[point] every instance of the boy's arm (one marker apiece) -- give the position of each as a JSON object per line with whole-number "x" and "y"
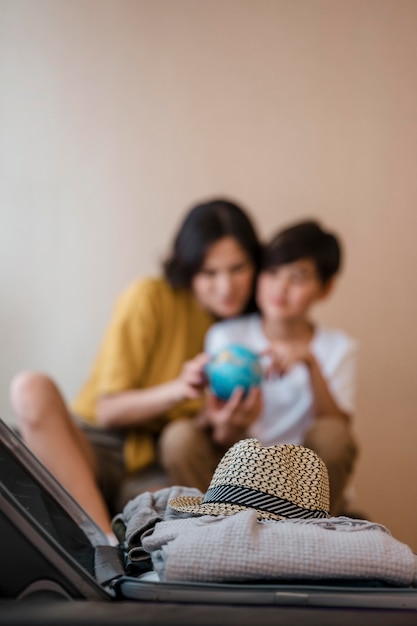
{"x": 324, "y": 402}
{"x": 286, "y": 355}
{"x": 228, "y": 421}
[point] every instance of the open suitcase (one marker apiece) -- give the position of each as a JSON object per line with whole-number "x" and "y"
{"x": 50, "y": 545}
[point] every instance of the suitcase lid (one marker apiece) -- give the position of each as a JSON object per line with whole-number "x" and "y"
{"x": 54, "y": 539}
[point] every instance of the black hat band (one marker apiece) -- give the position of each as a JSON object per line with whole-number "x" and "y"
{"x": 252, "y": 498}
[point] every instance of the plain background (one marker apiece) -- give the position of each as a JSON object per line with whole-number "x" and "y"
{"x": 117, "y": 115}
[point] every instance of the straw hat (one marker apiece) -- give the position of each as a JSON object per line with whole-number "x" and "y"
{"x": 279, "y": 482}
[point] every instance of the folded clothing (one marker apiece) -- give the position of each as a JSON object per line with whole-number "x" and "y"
{"x": 240, "y": 547}
{"x": 144, "y": 511}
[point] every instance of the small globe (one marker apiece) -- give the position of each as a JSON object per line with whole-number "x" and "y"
{"x": 234, "y": 366}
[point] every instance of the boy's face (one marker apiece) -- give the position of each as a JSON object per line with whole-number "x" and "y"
{"x": 287, "y": 292}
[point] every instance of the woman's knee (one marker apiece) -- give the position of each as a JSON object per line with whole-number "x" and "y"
{"x": 31, "y": 393}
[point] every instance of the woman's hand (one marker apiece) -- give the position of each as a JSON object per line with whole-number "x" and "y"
{"x": 229, "y": 421}
{"x": 190, "y": 383}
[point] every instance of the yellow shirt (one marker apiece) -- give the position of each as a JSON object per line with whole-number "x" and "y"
{"x": 154, "y": 330}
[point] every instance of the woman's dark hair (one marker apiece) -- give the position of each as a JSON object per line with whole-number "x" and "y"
{"x": 203, "y": 226}
{"x": 305, "y": 240}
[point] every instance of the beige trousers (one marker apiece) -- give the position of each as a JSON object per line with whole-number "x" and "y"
{"x": 332, "y": 439}
{"x": 190, "y": 458}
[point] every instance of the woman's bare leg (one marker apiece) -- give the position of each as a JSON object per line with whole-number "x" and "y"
{"x": 48, "y": 430}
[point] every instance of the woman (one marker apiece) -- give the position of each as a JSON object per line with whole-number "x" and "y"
{"x": 149, "y": 370}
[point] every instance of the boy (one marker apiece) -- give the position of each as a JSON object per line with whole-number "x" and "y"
{"x": 309, "y": 389}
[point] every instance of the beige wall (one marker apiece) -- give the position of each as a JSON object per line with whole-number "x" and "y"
{"x": 116, "y": 115}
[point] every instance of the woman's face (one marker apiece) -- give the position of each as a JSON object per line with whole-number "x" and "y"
{"x": 223, "y": 285}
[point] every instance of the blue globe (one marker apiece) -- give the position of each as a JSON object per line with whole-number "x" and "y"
{"x": 234, "y": 366}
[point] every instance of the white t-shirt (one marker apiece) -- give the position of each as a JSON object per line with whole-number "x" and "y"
{"x": 288, "y": 400}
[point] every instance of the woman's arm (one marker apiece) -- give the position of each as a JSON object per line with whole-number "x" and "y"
{"x": 137, "y": 406}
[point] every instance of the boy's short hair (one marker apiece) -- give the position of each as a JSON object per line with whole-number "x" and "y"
{"x": 302, "y": 240}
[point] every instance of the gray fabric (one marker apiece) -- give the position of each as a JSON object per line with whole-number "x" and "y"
{"x": 239, "y": 547}
{"x": 144, "y": 511}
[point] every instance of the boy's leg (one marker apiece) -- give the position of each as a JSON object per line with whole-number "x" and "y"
{"x": 188, "y": 455}
{"x": 332, "y": 439}
{"x": 47, "y": 428}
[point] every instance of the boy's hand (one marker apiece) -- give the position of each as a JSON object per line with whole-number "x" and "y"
{"x": 230, "y": 420}
{"x": 284, "y": 355}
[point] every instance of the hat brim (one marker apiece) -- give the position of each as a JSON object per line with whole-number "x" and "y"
{"x": 195, "y": 505}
